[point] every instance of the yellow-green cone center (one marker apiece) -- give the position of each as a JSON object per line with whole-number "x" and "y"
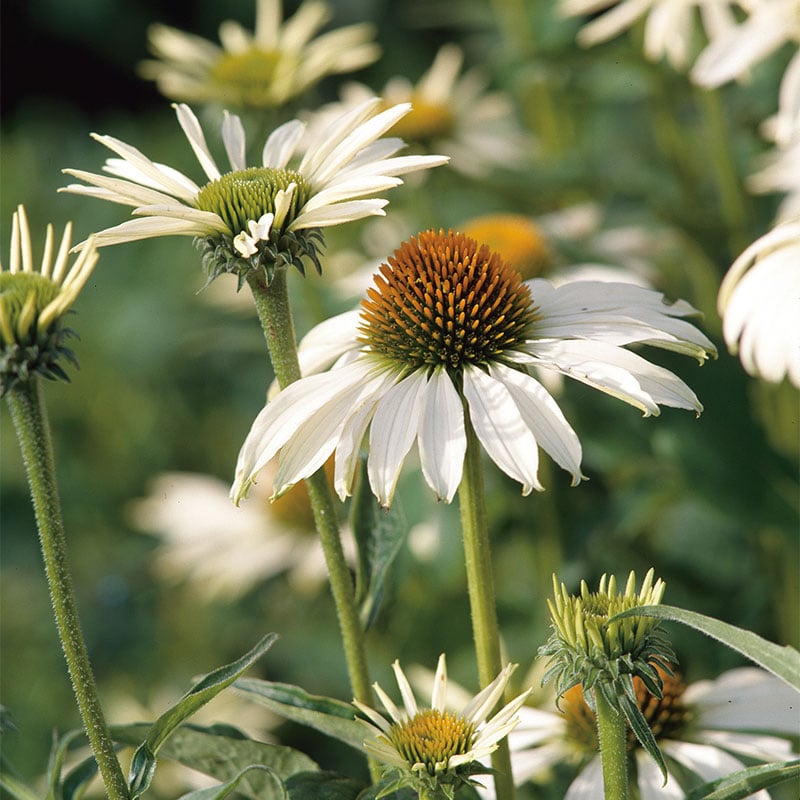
{"x": 244, "y": 195}
{"x": 444, "y": 300}
{"x": 431, "y": 738}
{"x": 248, "y": 77}
{"x": 24, "y": 295}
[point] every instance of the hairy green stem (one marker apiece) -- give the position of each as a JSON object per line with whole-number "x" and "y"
{"x": 612, "y": 733}
{"x": 480, "y": 583}
{"x": 274, "y": 311}
{"x": 29, "y": 413}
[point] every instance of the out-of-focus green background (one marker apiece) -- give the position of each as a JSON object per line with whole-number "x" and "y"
{"x": 169, "y": 381}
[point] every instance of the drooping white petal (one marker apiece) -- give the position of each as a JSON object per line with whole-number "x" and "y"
{"x": 650, "y": 780}
{"x": 392, "y": 432}
{"x": 442, "y": 436}
{"x": 194, "y": 133}
{"x": 708, "y": 762}
{"x": 501, "y": 429}
{"x": 751, "y": 745}
{"x": 542, "y": 415}
{"x": 589, "y": 783}
{"x": 325, "y": 342}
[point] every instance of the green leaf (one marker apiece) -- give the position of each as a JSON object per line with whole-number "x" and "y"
{"x": 323, "y": 786}
{"x": 16, "y": 789}
{"x": 225, "y": 756}
{"x": 143, "y": 763}
{"x": 379, "y": 534}
{"x": 224, "y": 789}
{"x": 331, "y": 717}
{"x": 56, "y": 763}
{"x": 783, "y": 662}
{"x": 78, "y": 778}
{"x": 642, "y": 730}
{"x": 746, "y": 782}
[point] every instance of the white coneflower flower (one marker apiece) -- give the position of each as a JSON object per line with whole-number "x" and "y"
{"x": 34, "y": 301}
{"x": 769, "y": 25}
{"x": 278, "y": 61}
{"x": 759, "y": 302}
{"x": 435, "y": 747}
{"x": 668, "y": 29}
{"x": 453, "y": 113}
{"x": 447, "y": 337}
{"x": 263, "y": 216}
{"x": 704, "y": 730}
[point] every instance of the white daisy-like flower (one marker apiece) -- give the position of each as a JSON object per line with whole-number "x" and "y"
{"x": 780, "y": 170}
{"x": 769, "y": 25}
{"x": 254, "y": 216}
{"x": 453, "y": 113}
{"x": 276, "y": 62}
{"x": 759, "y": 302}
{"x": 221, "y": 552}
{"x": 34, "y": 300}
{"x": 447, "y": 336}
{"x": 436, "y": 745}
{"x": 669, "y": 27}
{"x": 704, "y": 730}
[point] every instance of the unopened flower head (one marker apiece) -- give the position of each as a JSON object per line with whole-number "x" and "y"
{"x": 33, "y": 303}
{"x": 434, "y": 749}
{"x": 587, "y": 648}
{"x": 448, "y": 336}
{"x": 257, "y": 218}
{"x": 265, "y": 68}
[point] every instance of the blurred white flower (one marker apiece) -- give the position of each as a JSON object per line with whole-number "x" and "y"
{"x": 454, "y": 114}
{"x": 732, "y": 52}
{"x": 759, "y": 302}
{"x": 669, "y": 27}
{"x": 278, "y": 61}
{"x": 221, "y": 551}
{"x": 704, "y": 729}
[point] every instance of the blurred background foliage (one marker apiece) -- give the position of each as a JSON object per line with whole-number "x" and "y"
{"x": 171, "y": 382}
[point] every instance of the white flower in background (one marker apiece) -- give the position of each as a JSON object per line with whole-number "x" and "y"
{"x": 759, "y": 302}
{"x": 703, "y": 729}
{"x": 278, "y": 61}
{"x": 448, "y": 329}
{"x": 780, "y": 171}
{"x": 220, "y": 551}
{"x": 435, "y": 746}
{"x": 453, "y": 113}
{"x": 250, "y": 213}
{"x": 729, "y": 55}
{"x": 669, "y": 27}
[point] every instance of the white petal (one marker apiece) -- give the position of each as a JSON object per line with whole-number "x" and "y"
{"x": 544, "y": 418}
{"x": 442, "y": 437}
{"x": 589, "y": 783}
{"x": 709, "y": 763}
{"x": 234, "y": 140}
{"x": 651, "y": 782}
{"x": 281, "y": 144}
{"x": 194, "y": 133}
{"x": 751, "y": 745}
{"x": 350, "y": 190}
{"x": 279, "y": 419}
{"x": 501, "y": 429}
{"x": 380, "y": 722}
{"x": 148, "y": 228}
{"x": 388, "y": 704}
{"x": 210, "y": 221}
{"x": 407, "y": 694}
{"x": 481, "y": 705}
{"x": 325, "y": 342}
{"x": 116, "y": 190}
{"x": 338, "y": 213}
{"x": 392, "y": 432}
{"x": 439, "y": 693}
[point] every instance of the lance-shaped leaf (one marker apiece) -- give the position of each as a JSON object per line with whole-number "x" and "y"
{"x": 143, "y": 763}
{"x": 783, "y": 662}
{"x": 224, "y": 789}
{"x": 746, "y": 782}
{"x": 16, "y": 789}
{"x": 323, "y": 786}
{"x": 329, "y": 716}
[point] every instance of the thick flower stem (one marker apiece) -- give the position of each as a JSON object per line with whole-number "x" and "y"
{"x": 612, "y": 733}
{"x": 274, "y": 311}
{"x": 29, "y": 413}
{"x": 480, "y": 582}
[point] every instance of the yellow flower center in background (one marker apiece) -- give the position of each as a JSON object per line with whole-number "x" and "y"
{"x": 247, "y": 194}
{"x": 444, "y": 300}
{"x": 293, "y": 508}
{"x": 248, "y": 76}
{"x": 516, "y": 239}
{"x": 431, "y": 738}
{"x": 425, "y": 122}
